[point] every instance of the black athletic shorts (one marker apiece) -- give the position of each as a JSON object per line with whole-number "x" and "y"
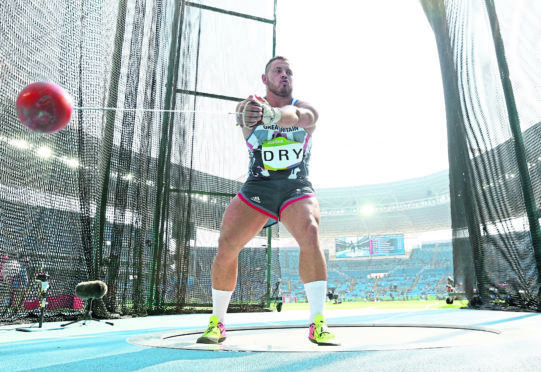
{"x": 271, "y": 196}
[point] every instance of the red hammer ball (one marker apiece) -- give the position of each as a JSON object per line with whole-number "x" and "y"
{"x": 44, "y": 107}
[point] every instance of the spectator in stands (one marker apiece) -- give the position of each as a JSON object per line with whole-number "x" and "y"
{"x": 278, "y": 132}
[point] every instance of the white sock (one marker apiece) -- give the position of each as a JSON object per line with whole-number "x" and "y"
{"x": 220, "y": 302}
{"x": 315, "y": 293}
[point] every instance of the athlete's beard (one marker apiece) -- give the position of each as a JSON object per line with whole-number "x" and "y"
{"x": 281, "y": 90}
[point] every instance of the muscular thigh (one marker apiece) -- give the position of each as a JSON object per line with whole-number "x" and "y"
{"x": 240, "y": 223}
{"x": 301, "y": 219}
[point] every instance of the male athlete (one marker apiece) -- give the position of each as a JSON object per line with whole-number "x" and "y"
{"x": 278, "y": 132}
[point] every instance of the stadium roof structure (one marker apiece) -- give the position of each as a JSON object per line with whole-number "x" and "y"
{"x": 409, "y": 206}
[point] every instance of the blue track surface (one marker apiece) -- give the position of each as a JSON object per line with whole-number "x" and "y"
{"x": 99, "y": 347}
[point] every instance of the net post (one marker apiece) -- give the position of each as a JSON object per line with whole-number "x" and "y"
{"x": 269, "y": 229}
{"x": 162, "y": 186}
{"x": 106, "y": 154}
{"x": 274, "y": 29}
{"x": 269, "y": 265}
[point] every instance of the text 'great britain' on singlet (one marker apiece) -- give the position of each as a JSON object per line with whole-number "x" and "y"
{"x": 279, "y": 153}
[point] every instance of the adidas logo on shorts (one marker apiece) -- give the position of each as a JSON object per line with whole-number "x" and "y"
{"x": 255, "y": 199}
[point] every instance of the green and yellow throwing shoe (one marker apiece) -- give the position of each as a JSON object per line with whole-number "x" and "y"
{"x": 214, "y": 334}
{"x": 320, "y": 333}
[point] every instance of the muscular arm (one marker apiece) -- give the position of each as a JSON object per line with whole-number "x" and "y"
{"x": 302, "y": 115}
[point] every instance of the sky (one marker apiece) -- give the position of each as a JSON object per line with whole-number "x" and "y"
{"x": 371, "y": 69}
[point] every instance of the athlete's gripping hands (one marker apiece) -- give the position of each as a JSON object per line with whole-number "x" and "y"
{"x": 254, "y": 111}
{"x": 269, "y": 114}
{"x": 259, "y": 110}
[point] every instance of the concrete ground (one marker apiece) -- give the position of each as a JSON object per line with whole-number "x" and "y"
{"x": 371, "y": 340}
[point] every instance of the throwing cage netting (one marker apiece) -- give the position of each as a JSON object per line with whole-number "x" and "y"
{"x": 489, "y": 54}
{"x": 132, "y": 195}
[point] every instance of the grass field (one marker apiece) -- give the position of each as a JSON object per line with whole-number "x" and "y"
{"x": 381, "y": 305}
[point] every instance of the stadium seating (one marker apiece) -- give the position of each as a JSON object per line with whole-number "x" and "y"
{"x": 421, "y": 275}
